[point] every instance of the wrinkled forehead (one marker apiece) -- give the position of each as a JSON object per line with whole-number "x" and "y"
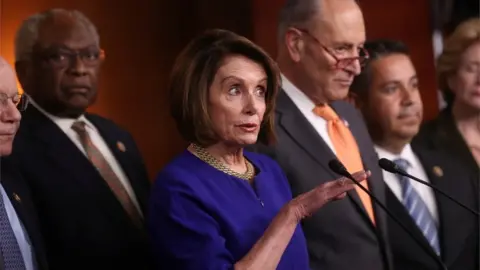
{"x": 66, "y": 31}
{"x": 8, "y": 80}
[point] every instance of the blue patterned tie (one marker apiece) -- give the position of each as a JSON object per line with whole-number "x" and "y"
{"x": 417, "y": 208}
{"x": 12, "y": 256}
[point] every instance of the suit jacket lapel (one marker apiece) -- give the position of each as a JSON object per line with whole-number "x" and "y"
{"x": 62, "y": 151}
{"x": 452, "y": 233}
{"x": 15, "y": 195}
{"x": 448, "y": 132}
{"x": 399, "y": 210}
{"x": 121, "y": 154}
{"x": 297, "y": 126}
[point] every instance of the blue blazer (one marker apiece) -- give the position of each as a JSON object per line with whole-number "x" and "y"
{"x": 202, "y": 218}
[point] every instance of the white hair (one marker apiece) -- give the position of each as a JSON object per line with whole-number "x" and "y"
{"x": 27, "y": 35}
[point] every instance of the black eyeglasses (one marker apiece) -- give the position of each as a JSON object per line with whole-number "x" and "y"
{"x": 64, "y": 58}
{"x": 19, "y": 100}
{"x": 340, "y": 62}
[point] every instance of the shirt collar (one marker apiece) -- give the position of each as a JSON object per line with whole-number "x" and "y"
{"x": 296, "y": 95}
{"x": 61, "y": 121}
{"x": 407, "y": 154}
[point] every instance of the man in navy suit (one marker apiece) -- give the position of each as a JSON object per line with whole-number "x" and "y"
{"x": 87, "y": 176}
{"x": 388, "y": 95}
{"x": 21, "y": 244}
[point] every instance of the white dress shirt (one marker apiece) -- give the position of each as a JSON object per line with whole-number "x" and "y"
{"x": 306, "y": 106}
{"x": 20, "y": 233}
{"x": 65, "y": 124}
{"x": 416, "y": 169}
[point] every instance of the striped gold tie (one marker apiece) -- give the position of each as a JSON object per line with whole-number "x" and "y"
{"x": 98, "y": 160}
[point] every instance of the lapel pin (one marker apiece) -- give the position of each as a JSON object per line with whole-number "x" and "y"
{"x": 121, "y": 146}
{"x": 437, "y": 171}
{"x": 17, "y": 198}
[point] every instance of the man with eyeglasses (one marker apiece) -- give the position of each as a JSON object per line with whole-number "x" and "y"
{"x": 86, "y": 174}
{"x": 21, "y": 243}
{"x": 320, "y": 52}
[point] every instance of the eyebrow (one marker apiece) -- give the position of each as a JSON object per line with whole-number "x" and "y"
{"x": 229, "y": 78}
{"x": 5, "y": 92}
{"x": 347, "y": 44}
{"x": 414, "y": 77}
{"x": 64, "y": 47}
{"x": 473, "y": 62}
{"x": 240, "y": 79}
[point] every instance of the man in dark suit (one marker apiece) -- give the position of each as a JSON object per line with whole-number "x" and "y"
{"x": 320, "y": 52}
{"x": 87, "y": 176}
{"x": 387, "y": 93}
{"x": 21, "y": 244}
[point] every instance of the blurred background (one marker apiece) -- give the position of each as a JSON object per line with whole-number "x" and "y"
{"x": 142, "y": 38}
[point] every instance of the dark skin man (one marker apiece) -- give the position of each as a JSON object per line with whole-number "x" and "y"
{"x": 87, "y": 174}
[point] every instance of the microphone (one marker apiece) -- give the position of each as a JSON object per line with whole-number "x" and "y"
{"x": 336, "y": 166}
{"x": 391, "y": 167}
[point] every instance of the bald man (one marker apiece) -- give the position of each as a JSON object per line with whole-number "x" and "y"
{"x": 320, "y": 51}
{"x": 21, "y": 244}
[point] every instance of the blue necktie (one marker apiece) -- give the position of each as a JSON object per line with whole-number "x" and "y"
{"x": 417, "y": 208}
{"x": 12, "y": 256}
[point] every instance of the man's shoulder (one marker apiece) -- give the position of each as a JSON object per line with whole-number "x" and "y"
{"x": 345, "y": 109}
{"x": 12, "y": 178}
{"x": 106, "y": 124}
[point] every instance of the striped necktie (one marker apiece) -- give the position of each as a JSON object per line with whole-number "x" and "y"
{"x": 417, "y": 208}
{"x": 106, "y": 171}
{"x": 11, "y": 253}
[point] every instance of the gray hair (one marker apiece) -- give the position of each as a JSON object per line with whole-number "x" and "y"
{"x": 296, "y": 13}
{"x": 27, "y": 35}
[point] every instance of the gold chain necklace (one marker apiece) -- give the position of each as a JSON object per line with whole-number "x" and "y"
{"x": 204, "y": 155}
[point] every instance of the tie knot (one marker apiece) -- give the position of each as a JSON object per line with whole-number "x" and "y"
{"x": 326, "y": 112}
{"x": 402, "y": 163}
{"x": 79, "y": 127}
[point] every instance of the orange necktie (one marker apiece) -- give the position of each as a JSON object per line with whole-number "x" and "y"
{"x": 347, "y": 150}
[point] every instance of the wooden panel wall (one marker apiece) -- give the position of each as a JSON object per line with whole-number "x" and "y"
{"x": 142, "y": 38}
{"x": 408, "y": 21}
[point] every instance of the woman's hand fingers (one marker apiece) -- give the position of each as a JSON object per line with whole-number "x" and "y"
{"x": 309, "y": 202}
{"x": 361, "y": 175}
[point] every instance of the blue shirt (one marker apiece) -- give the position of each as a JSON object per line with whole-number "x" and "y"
{"x": 19, "y": 231}
{"x": 202, "y": 218}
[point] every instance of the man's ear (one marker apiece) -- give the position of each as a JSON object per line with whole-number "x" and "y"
{"x": 294, "y": 44}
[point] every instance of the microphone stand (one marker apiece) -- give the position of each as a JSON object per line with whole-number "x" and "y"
{"x": 403, "y": 173}
{"x": 434, "y": 256}
{"x": 478, "y": 219}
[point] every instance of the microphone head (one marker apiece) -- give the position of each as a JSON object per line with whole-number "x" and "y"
{"x": 336, "y": 166}
{"x": 388, "y": 165}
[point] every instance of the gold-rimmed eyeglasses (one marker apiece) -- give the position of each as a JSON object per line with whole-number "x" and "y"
{"x": 19, "y": 100}
{"x": 341, "y": 62}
